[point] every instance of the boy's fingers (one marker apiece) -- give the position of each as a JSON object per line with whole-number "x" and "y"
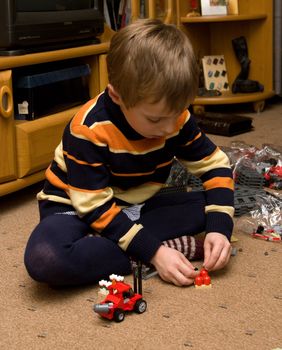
{"x": 207, "y": 253}
{"x": 183, "y": 274}
{"x": 218, "y": 258}
{"x": 181, "y": 280}
{"x": 214, "y": 254}
{"x": 223, "y": 258}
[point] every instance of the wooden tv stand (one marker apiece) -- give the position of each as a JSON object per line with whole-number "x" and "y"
{"x": 27, "y": 147}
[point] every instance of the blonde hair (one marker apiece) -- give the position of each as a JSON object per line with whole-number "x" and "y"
{"x": 150, "y": 61}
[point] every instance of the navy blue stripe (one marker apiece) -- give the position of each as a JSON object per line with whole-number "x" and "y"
{"x": 220, "y": 196}
{"x": 77, "y": 147}
{"x": 49, "y": 189}
{"x": 221, "y": 172}
{"x": 87, "y": 177}
{"x": 160, "y": 176}
{"x": 128, "y": 163}
{"x": 219, "y": 222}
{"x": 58, "y": 172}
{"x": 197, "y": 150}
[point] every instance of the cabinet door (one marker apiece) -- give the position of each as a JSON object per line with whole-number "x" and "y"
{"x": 36, "y": 141}
{"x": 7, "y": 142}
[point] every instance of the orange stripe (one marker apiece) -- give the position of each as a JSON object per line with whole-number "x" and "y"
{"x": 142, "y": 174}
{"x": 105, "y": 133}
{"x": 80, "y": 115}
{"x": 106, "y": 218}
{"x": 80, "y": 161}
{"x": 194, "y": 139}
{"x": 216, "y": 182}
{"x": 110, "y": 135}
{"x": 54, "y": 180}
{"x": 183, "y": 118}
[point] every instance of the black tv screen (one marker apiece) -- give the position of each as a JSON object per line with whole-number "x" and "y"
{"x": 38, "y": 25}
{"x": 52, "y": 5}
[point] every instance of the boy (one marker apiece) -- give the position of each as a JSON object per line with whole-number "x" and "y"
{"x": 98, "y": 207}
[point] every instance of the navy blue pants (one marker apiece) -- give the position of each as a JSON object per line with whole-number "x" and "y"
{"x": 61, "y": 252}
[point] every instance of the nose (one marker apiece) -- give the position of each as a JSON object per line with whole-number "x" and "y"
{"x": 168, "y": 127}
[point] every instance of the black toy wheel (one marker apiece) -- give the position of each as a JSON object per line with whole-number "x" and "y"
{"x": 119, "y": 315}
{"x": 140, "y": 306}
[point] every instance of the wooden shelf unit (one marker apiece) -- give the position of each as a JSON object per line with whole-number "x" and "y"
{"x": 212, "y": 35}
{"x": 228, "y": 18}
{"x": 27, "y": 147}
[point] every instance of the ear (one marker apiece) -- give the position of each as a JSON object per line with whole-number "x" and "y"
{"x": 114, "y": 95}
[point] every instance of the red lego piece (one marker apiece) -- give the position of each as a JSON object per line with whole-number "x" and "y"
{"x": 203, "y": 280}
{"x": 273, "y": 177}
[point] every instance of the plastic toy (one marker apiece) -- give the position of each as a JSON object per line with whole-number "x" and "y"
{"x": 121, "y": 297}
{"x": 273, "y": 177}
{"x": 203, "y": 280}
{"x": 266, "y": 235}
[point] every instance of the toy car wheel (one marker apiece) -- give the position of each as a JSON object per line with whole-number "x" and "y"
{"x": 119, "y": 315}
{"x": 140, "y": 306}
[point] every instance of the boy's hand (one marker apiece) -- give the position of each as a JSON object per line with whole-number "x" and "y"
{"x": 173, "y": 266}
{"x": 217, "y": 250}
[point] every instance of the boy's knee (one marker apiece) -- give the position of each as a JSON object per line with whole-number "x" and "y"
{"x": 39, "y": 261}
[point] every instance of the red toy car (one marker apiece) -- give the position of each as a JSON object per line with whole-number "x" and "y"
{"x": 121, "y": 298}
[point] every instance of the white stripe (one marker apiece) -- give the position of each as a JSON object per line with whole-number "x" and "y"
{"x": 193, "y": 248}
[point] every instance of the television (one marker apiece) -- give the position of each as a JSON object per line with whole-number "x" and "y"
{"x": 40, "y": 25}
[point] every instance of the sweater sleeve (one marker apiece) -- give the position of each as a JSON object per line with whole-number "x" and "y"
{"x": 208, "y": 162}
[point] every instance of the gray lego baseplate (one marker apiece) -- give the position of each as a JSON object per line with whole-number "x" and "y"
{"x": 249, "y": 184}
{"x": 245, "y": 199}
{"x": 249, "y": 177}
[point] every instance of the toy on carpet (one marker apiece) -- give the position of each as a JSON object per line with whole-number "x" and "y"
{"x": 120, "y": 297}
{"x": 271, "y": 234}
{"x": 203, "y": 280}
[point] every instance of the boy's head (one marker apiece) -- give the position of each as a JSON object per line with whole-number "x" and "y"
{"x": 150, "y": 61}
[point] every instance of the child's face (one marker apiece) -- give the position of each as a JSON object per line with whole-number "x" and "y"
{"x": 151, "y": 120}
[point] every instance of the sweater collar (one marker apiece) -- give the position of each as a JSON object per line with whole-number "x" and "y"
{"x": 118, "y": 118}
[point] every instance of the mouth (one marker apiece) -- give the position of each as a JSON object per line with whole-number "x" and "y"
{"x": 155, "y": 137}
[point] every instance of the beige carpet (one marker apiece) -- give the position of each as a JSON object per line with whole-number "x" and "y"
{"x": 242, "y": 310}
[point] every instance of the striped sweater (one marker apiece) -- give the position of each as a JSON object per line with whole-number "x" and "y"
{"x": 102, "y": 165}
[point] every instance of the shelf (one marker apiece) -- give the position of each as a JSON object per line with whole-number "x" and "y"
{"x": 8, "y": 62}
{"x": 51, "y": 56}
{"x": 222, "y": 18}
{"x": 229, "y": 98}
{"x": 12, "y": 186}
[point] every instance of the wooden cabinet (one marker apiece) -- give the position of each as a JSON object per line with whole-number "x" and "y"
{"x": 212, "y": 35}
{"x": 27, "y": 147}
{"x": 7, "y": 135}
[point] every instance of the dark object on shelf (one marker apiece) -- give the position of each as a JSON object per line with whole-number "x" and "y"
{"x": 203, "y": 92}
{"x": 49, "y": 88}
{"x": 242, "y": 83}
{"x": 224, "y": 124}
